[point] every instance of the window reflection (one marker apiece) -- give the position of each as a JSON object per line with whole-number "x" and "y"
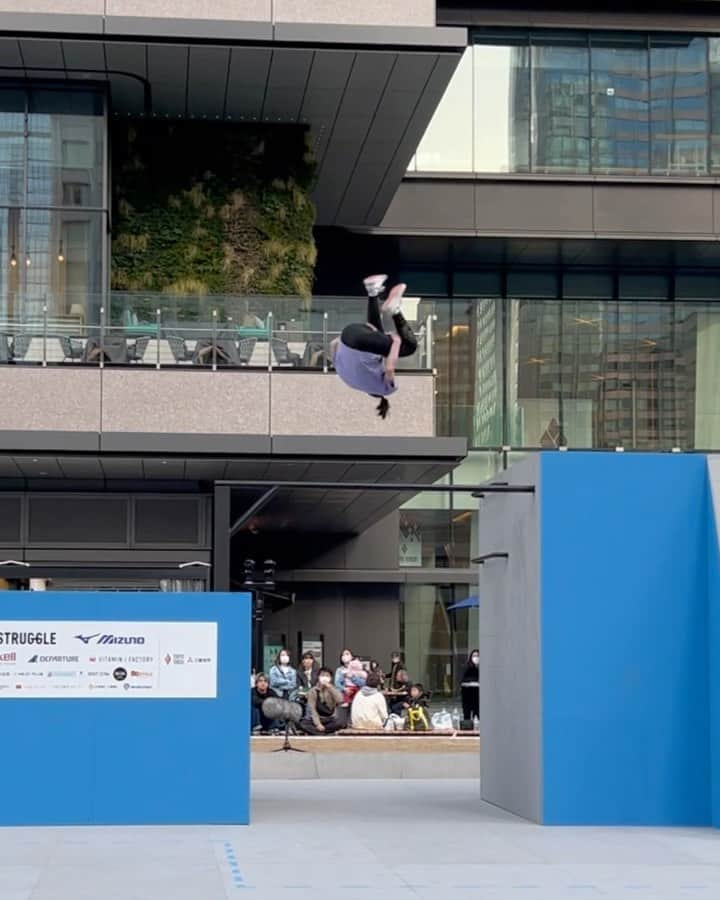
{"x": 554, "y": 103}
{"x": 51, "y": 172}
{"x": 620, "y": 105}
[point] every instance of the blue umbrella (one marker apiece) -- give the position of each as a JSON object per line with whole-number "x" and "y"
{"x": 470, "y": 603}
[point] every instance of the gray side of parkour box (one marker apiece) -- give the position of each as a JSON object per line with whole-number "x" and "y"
{"x": 510, "y": 665}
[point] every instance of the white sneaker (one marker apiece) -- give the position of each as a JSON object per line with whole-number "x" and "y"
{"x": 374, "y": 284}
{"x": 394, "y": 300}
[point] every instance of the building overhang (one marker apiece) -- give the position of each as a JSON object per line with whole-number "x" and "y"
{"x": 366, "y": 93}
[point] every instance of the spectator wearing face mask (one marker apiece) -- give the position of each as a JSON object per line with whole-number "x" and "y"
{"x": 470, "y": 687}
{"x": 324, "y": 713}
{"x": 349, "y": 675}
{"x": 283, "y": 678}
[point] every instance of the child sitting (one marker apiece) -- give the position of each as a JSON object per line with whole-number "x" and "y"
{"x": 416, "y": 706}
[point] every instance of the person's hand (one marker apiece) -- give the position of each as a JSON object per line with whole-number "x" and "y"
{"x": 321, "y": 727}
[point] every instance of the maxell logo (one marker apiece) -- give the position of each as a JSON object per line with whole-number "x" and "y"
{"x": 109, "y": 639}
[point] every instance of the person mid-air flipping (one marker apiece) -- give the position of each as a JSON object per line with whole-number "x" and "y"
{"x": 364, "y": 356}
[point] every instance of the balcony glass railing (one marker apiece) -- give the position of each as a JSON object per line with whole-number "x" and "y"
{"x": 210, "y": 332}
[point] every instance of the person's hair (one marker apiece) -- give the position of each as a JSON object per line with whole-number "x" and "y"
{"x": 280, "y": 653}
{"x": 346, "y": 650}
{"x": 308, "y": 654}
{"x": 325, "y": 671}
{"x": 373, "y": 680}
{"x": 261, "y": 676}
{"x": 472, "y": 653}
{"x": 396, "y": 653}
{"x": 418, "y": 686}
{"x": 374, "y": 665}
{"x": 402, "y": 671}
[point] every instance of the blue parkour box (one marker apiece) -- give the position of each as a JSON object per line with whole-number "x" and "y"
{"x": 148, "y": 761}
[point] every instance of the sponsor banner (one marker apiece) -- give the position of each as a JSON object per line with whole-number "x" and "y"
{"x": 47, "y": 660}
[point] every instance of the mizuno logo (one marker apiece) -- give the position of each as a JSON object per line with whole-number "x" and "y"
{"x": 110, "y": 639}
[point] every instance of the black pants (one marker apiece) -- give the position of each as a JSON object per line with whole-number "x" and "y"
{"x": 330, "y": 723}
{"x": 374, "y": 340}
{"x": 470, "y": 701}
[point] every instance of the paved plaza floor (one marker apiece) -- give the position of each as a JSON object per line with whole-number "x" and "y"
{"x": 361, "y": 840}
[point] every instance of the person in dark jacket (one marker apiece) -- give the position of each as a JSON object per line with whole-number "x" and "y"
{"x": 399, "y": 692}
{"x": 324, "y": 713}
{"x": 259, "y": 694}
{"x": 307, "y": 675}
{"x": 470, "y": 687}
{"x": 396, "y": 663}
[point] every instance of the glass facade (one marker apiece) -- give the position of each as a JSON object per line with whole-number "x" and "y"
{"x": 580, "y": 103}
{"x": 576, "y": 358}
{"x": 53, "y": 207}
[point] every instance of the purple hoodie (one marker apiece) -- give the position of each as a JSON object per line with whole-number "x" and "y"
{"x": 363, "y": 371}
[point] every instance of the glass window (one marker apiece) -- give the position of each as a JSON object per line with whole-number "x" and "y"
{"x": 65, "y": 150}
{"x": 502, "y": 107}
{"x": 12, "y": 146}
{"x": 679, "y": 90}
{"x": 620, "y": 108}
{"x": 560, "y": 134}
{"x": 448, "y": 142}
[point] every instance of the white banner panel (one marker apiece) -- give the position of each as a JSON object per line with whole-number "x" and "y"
{"x": 130, "y": 660}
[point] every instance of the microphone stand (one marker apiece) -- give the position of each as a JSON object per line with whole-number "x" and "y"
{"x": 287, "y": 747}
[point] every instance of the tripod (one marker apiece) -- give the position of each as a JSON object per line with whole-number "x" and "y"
{"x": 287, "y": 746}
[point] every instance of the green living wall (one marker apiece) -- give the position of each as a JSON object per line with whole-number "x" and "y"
{"x": 205, "y": 208}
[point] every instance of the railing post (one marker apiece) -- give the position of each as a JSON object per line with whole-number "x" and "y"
{"x": 102, "y": 337}
{"x": 158, "y": 319}
{"x": 270, "y": 339}
{"x": 429, "y": 340}
{"x": 44, "y": 341}
{"x": 214, "y": 340}
{"x": 325, "y": 342}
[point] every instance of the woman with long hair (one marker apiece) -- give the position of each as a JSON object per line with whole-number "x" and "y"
{"x": 365, "y": 356}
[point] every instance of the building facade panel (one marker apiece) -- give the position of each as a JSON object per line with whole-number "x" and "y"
{"x": 44, "y": 399}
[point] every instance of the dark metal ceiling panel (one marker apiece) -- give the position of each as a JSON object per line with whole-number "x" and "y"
{"x": 284, "y": 470}
{"x": 205, "y": 469}
{"x": 8, "y": 468}
{"x": 86, "y": 55}
{"x": 247, "y": 79}
{"x": 286, "y": 84}
{"x": 428, "y": 101}
{"x": 208, "y": 72}
{"x": 327, "y": 470}
{"x": 365, "y": 85}
{"x": 40, "y": 54}
{"x": 164, "y": 468}
{"x": 126, "y": 89}
{"x": 168, "y": 73}
{"x": 10, "y": 58}
{"x": 366, "y": 471}
{"x": 38, "y": 466}
{"x": 124, "y": 468}
{"x": 80, "y": 467}
{"x": 247, "y": 469}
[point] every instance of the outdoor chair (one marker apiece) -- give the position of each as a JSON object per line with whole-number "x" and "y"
{"x": 136, "y": 350}
{"x": 246, "y": 348}
{"x": 283, "y": 354}
{"x": 72, "y": 348}
{"x": 179, "y": 348}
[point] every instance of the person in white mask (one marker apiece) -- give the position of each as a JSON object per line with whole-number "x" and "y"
{"x": 470, "y": 687}
{"x": 283, "y": 678}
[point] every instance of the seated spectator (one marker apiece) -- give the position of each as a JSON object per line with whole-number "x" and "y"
{"x": 258, "y": 695}
{"x": 369, "y": 709}
{"x": 396, "y": 663}
{"x": 415, "y": 707}
{"x": 283, "y": 678}
{"x": 375, "y": 667}
{"x": 349, "y": 676}
{"x": 399, "y": 692}
{"x": 324, "y": 713}
{"x": 307, "y": 675}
